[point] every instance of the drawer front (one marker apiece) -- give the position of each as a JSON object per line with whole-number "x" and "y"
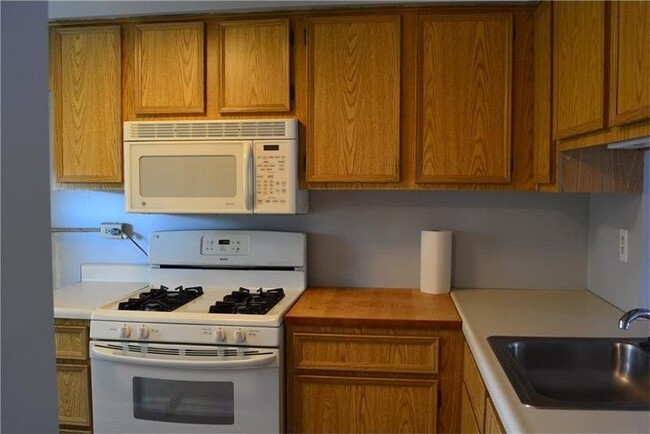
{"x": 474, "y": 383}
{"x": 388, "y": 354}
{"x": 357, "y": 405}
{"x": 73, "y": 383}
{"x": 71, "y": 342}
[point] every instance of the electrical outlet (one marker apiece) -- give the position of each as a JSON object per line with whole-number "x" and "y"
{"x": 112, "y": 230}
{"x": 622, "y": 245}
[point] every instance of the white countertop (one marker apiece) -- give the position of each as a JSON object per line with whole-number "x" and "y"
{"x": 100, "y": 284}
{"x": 518, "y": 312}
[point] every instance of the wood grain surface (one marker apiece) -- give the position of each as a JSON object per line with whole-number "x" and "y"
{"x": 74, "y": 394}
{"x": 254, "y": 66}
{"x": 464, "y": 91}
{"x": 468, "y": 422}
{"x": 86, "y": 89}
{"x": 493, "y": 423}
{"x": 71, "y": 341}
{"x": 544, "y": 155}
{"x": 578, "y": 67}
{"x": 374, "y": 307}
{"x": 354, "y": 99}
{"x": 630, "y": 62}
{"x": 169, "y": 68}
{"x": 476, "y": 391}
{"x": 343, "y": 404}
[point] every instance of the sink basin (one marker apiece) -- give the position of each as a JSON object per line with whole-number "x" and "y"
{"x": 576, "y": 373}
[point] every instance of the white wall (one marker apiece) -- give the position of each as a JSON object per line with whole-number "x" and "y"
{"x": 27, "y": 370}
{"x": 625, "y": 285}
{"x": 371, "y": 238}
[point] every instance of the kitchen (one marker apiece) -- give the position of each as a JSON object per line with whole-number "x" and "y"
{"x": 358, "y": 238}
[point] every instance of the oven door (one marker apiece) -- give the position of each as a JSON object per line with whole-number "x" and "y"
{"x": 189, "y": 177}
{"x": 163, "y": 388}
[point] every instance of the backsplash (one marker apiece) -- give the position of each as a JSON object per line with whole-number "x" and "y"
{"x": 369, "y": 238}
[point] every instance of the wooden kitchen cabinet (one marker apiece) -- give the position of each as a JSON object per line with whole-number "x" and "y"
{"x": 478, "y": 414}
{"x": 601, "y": 73}
{"x": 85, "y": 81}
{"x": 353, "y": 75}
{"x": 169, "y": 68}
{"x": 73, "y": 375}
{"x": 464, "y": 98}
{"x": 254, "y": 66}
{"x": 355, "y": 372}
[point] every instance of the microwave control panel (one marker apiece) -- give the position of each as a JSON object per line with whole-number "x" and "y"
{"x": 275, "y": 176}
{"x": 224, "y": 246}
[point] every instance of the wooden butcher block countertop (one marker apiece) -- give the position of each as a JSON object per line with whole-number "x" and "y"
{"x": 374, "y": 307}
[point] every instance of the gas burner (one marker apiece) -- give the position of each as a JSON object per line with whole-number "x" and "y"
{"x": 246, "y": 302}
{"x": 162, "y": 299}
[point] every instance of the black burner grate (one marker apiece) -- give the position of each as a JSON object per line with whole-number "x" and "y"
{"x": 248, "y": 302}
{"x": 162, "y": 299}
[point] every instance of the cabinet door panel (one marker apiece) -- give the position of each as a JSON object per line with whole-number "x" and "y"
{"x": 468, "y": 423}
{"x": 630, "y": 62}
{"x": 493, "y": 424}
{"x": 74, "y": 394}
{"x": 169, "y": 68}
{"x": 337, "y": 404}
{"x": 255, "y": 66}
{"x": 71, "y": 342}
{"x": 464, "y": 91}
{"x": 354, "y": 99}
{"x": 544, "y": 158}
{"x": 579, "y": 67}
{"x": 86, "y": 87}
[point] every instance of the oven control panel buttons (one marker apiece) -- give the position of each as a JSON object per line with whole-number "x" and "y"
{"x": 219, "y": 335}
{"x": 240, "y": 336}
{"x": 143, "y": 332}
{"x": 125, "y": 331}
{"x": 223, "y": 246}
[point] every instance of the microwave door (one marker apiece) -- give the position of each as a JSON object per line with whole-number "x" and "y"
{"x": 189, "y": 177}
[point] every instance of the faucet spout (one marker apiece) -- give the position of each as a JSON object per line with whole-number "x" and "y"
{"x": 632, "y": 315}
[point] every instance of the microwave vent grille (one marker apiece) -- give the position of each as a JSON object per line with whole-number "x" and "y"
{"x": 208, "y": 130}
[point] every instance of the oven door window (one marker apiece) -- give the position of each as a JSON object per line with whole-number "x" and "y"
{"x": 199, "y": 402}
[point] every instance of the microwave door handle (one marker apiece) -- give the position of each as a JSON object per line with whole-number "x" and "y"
{"x": 265, "y": 360}
{"x": 248, "y": 184}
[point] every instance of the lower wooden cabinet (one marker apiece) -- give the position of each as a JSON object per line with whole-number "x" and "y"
{"x": 478, "y": 414}
{"x": 73, "y": 376}
{"x": 349, "y": 379}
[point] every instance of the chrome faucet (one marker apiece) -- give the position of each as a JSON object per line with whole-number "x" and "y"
{"x": 631, "y": 315}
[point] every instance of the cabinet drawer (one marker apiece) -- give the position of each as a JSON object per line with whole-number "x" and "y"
{"x": 353, "y": 404}
{"x": 71, "y": 342}
{"x": 475, "y": 388}
{"x": 339, "y": 352}
{"x": 74, "y": 394}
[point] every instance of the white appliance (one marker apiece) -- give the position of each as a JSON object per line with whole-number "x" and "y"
{"x": 188, "y": 370}
{"x": 213, "y": 167}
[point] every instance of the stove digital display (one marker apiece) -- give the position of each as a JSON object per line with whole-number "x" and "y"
{"x": 224, "y": 242}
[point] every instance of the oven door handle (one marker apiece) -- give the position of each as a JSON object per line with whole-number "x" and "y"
{"x": 251, "y": 362}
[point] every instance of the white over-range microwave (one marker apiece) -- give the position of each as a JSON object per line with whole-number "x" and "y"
{"x": 213, "y": 167}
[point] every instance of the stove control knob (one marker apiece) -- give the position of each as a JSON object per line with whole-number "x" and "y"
{"x": 219, "y": 335}
{"x": 143, "y": 332}
{"x": 125, "y": 331}
{"x": 240, "y": 336}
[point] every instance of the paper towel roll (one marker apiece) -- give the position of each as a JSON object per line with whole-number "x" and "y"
{"x": 435, "y": 262}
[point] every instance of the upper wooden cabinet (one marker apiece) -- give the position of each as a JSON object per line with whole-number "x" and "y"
{"x": 579, "y": 67}
{"x": 254, "y": 66}
{"x": 169, "y": 68}
{"x": 629, "y": 62}
{"x": 85, "y": 65}
{"x": 464, "y": 98}
{"x": 353, "y": 98}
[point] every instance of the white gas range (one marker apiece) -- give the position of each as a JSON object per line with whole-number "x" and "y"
{"x": 200, "y": 350}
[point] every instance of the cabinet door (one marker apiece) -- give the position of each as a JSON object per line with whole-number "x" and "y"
{"x": 169, "y": 68}
{"x": 340, "y": 404}
{"x": 630, "y": 62}
{"x": 354, "y": 99}
{"x": 578, "y": 67}
{"x": 468, "y": 423}
{"x": 86, "y": 96}
{"x": 544, "y": 155}
{"x": 74, "y": 394}
{"x": 464, "y": 98}
{"x": 255, "y": 66}
{"x": 492, "y": 422}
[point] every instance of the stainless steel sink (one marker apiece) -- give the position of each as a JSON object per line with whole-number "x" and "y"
{"x": 576, "y": 373}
